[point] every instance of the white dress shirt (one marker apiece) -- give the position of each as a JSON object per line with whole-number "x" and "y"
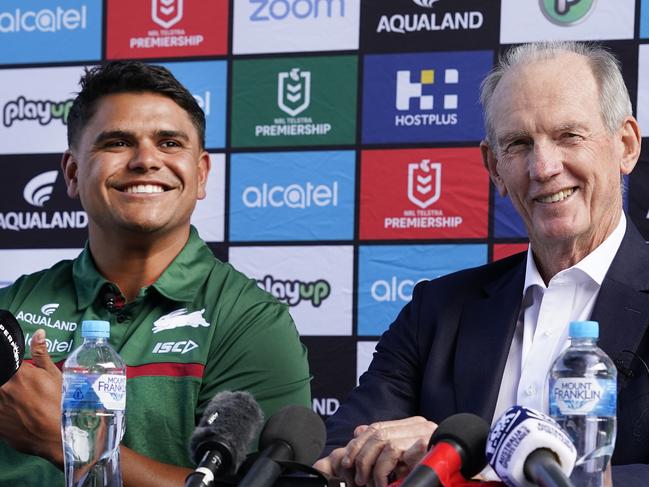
{"x": 542, "y": 327}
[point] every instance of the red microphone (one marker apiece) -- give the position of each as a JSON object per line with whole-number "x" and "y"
{"x": 456, "y": 453}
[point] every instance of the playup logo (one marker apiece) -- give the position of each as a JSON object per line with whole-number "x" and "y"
{"x": 566, "y": 12}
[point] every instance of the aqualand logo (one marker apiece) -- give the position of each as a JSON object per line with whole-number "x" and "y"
{"x": 43, "y": 111}
{"x": 37, "y": 192}
{"x": 44, "y": 20}
{"x": 166, "y": 13}
{"x": 294, "y": 91}
{"x": 269, "y": 10}
{"x": 39, "y": 189}
{"x": 408, "y": 91}
{"x": 429, "y": 21}
{"x": 293, "y": 292}
{"x": 566, "y": 12}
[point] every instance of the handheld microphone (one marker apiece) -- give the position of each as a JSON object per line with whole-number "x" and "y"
{"x": 294, "y": 433}
{"x": 457, "y": 445}
{"x": 527, "y": 448}
{"x": 12, "y": 346}
{"x": 220, "y": 442}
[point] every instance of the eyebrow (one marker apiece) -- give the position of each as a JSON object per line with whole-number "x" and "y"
{"x": 127, "y": 135}
{"x": 509, "y": 136}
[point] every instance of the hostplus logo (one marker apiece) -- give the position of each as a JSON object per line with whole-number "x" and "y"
{"x": 293, "y": 98}
{"x": 43, "y": 111}
{"x": 293, "y": 292}
{"x": 566, "y": 12}
{"x": 301, "y": 196}
{"x": 37, "y": 193}
{"x": 274, "y": 10}
{"x": 429, "y": 21}
{"x": 411, "y": 91}
{"x": 44, "y": 20}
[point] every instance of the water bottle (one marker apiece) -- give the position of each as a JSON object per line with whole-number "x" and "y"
{"x": 583, "y": 394}
{"x": 92, "y": 406}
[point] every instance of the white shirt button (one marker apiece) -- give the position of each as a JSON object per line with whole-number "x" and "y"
{"x": 530, "y": 390}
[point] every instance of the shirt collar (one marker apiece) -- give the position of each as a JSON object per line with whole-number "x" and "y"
{"x": 180, "y": 281}
{"x": 595, "y": 265}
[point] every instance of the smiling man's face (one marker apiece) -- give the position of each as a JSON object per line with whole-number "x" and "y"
{"x": 553, "y": 154}
{"x": 138, "y": 166}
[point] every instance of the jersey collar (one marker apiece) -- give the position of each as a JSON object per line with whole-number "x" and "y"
{"x": 180, "y": 281}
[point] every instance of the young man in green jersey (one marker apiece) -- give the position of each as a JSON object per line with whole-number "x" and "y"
{"x": 187, "y": 325}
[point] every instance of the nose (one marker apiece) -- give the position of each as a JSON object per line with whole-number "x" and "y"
{"x": 145, "y": 158}
{"x": 545, "y": 161}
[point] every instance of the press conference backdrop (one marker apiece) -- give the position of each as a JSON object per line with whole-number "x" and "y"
{"x": 343, "y": 136}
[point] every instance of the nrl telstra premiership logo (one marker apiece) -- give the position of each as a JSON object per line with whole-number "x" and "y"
{"x": 423, "y": 191}
{"x": 566, "y": 12}
{"x": 166, "y": 13}
{"x": 294, "y": 91}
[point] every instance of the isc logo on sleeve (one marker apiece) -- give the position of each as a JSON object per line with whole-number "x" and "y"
{"x": 182, "y": 347}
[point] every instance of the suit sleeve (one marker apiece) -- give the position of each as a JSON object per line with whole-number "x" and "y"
{"x": 391, "y": 386}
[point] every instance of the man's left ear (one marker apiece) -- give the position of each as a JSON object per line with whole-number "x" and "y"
{"x": 204, "y": 165}
{"x": 631, "y": 140}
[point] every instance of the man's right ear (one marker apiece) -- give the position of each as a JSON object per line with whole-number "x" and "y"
{"x": 70, "y": 167}
{"x": 490, "y": 162}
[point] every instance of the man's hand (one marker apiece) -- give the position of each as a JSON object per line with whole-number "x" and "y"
{"x": 30, "y": 405}
{"x": 378, "y": 450}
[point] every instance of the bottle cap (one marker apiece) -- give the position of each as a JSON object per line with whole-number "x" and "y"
{"x": 584, "y": 329}
{"x": 95, "y": 329}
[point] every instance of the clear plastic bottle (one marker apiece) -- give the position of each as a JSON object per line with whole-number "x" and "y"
{"x": 92, "y": 407}
{"x": 583, "y": 397}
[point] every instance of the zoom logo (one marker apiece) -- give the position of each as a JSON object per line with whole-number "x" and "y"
{"x": 297, "y": 9}
{"x": 293, "y": 292}
{"x": 43, "y": 111}
{"x": 39, "y": 189}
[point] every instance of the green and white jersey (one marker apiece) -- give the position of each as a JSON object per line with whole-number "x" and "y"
{"x": 201, "y": 328}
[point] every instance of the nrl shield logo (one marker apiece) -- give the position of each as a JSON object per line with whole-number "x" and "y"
{"x": 294, "y": 91}
{"x": 166, "y": 13}
{"x": 420, "y": 182}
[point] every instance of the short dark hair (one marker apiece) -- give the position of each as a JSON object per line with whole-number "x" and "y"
{"x": 129, "y": 77}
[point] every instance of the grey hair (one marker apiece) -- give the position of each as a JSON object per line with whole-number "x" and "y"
{"x": 614, "y": 100}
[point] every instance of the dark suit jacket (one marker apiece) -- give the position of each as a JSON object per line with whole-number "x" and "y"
{"x": 446, "y": 352}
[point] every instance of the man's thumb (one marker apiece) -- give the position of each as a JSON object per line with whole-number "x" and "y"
{"x": 40, "y": 357}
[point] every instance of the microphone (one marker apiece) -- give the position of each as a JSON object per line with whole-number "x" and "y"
{"x": 220, "y": 442}
{"x": 527, "y": 448}
{"x": 293, "y": 434}
{"x": 12, "y": 346}
{"x": 457, "y": 445}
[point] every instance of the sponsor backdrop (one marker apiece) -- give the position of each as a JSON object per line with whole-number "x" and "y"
{"x": 343, "y": 135}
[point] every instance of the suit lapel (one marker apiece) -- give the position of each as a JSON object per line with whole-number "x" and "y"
{"x": 486, "y": 329}
{"x": 622, "y": 307}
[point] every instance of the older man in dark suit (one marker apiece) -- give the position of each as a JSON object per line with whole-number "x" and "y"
{"x": 560, "y": 136}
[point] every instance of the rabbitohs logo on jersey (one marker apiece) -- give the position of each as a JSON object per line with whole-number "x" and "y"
{"x": 180, "y": 318}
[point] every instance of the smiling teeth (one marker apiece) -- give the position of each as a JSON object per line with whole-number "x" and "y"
{"x": 145, "y": 188}
{"x": 560, "y": 196}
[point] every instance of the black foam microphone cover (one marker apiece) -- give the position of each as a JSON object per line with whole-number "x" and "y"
{"x": 300, "y": 428}
{"x": 12, "y": 346}
{"x": 229, "y": 424}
